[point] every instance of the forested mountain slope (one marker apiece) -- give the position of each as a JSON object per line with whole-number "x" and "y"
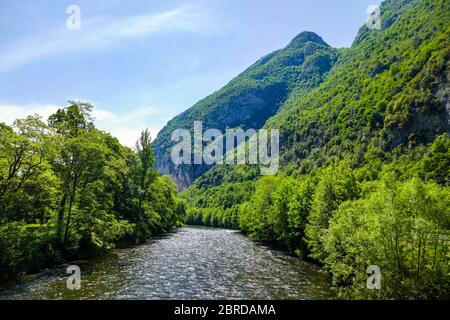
{"x": 389, "y": 90}
{"x": 251, "y": 98}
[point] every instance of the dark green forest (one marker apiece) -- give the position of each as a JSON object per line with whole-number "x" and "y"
{"x": 365, "y": 164}
{"x": 69, "y": 191}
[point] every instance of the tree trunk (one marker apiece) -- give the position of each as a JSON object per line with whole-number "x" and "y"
{"x": 68, "y": 221}
{"x": 60, "y": 222}
{"x": 71, "y": 201}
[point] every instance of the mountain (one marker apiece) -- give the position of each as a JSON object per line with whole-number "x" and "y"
{"x": 251, "y": 98}
{"x": 389, "y": 90}
{"x": 388, "y": 93}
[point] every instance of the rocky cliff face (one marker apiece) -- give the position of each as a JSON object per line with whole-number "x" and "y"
{"x": 182, "y": 175}
{"x": 250, "y": 99}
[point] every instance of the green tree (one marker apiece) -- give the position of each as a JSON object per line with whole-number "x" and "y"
{"x": 400, "y": 227}
{"x": 337, "y": 184}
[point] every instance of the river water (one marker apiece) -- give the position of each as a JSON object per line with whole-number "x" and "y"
{"x": 190, "y": 263}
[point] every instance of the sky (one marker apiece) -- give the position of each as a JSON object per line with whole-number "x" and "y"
{"x": 142, "y": 62}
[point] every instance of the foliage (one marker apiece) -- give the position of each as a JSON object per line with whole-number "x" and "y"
{"x": 337, "y": 184}
{"x": 365, "y": 163}
{"x": 402, "y": 227}
{"x": 388, "y": 91}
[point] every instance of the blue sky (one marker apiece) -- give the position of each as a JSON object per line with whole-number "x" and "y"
{"x": 141, "y": 62}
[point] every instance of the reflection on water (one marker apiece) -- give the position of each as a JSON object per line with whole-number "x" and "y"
{"x": 191, "y": 263}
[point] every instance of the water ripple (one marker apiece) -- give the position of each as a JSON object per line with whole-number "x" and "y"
{"x": 191, "y": 263}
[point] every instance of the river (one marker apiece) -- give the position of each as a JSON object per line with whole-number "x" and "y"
{"x": 189, "y": 263}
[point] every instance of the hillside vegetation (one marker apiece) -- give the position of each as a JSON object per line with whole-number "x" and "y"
{"x": 69, "y": 191}
{"x": 251, "y": 98}
{"x": 365, "y": 177}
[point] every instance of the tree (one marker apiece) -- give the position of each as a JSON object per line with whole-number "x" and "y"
{"x": 72, "y": 120}
{"x": 22, "y": 153}
{"x": 79, "y": 157}
{"x": 146, "y": 156}
{"x": 436, "y": 164}
{"x": 337, "y": 184}
{"x": 69, "y": 191}
{"x": 402, "y": 227}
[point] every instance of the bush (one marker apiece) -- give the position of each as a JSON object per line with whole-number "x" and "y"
{"x": 25, "y": 248}
{"x": 401, "y": 227}
{"x": 337, "y": 184}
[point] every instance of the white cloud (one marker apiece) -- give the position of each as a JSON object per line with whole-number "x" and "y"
{"x": 128, "y": 136}
{"x": 125, "y": 127}
{"x": 98, "y": 32}
{"x": 9, "y": 113}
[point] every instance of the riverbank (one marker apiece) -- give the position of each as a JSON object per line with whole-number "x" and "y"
{"x": 189, "y": 263}
{"x": 87, "y": 250}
